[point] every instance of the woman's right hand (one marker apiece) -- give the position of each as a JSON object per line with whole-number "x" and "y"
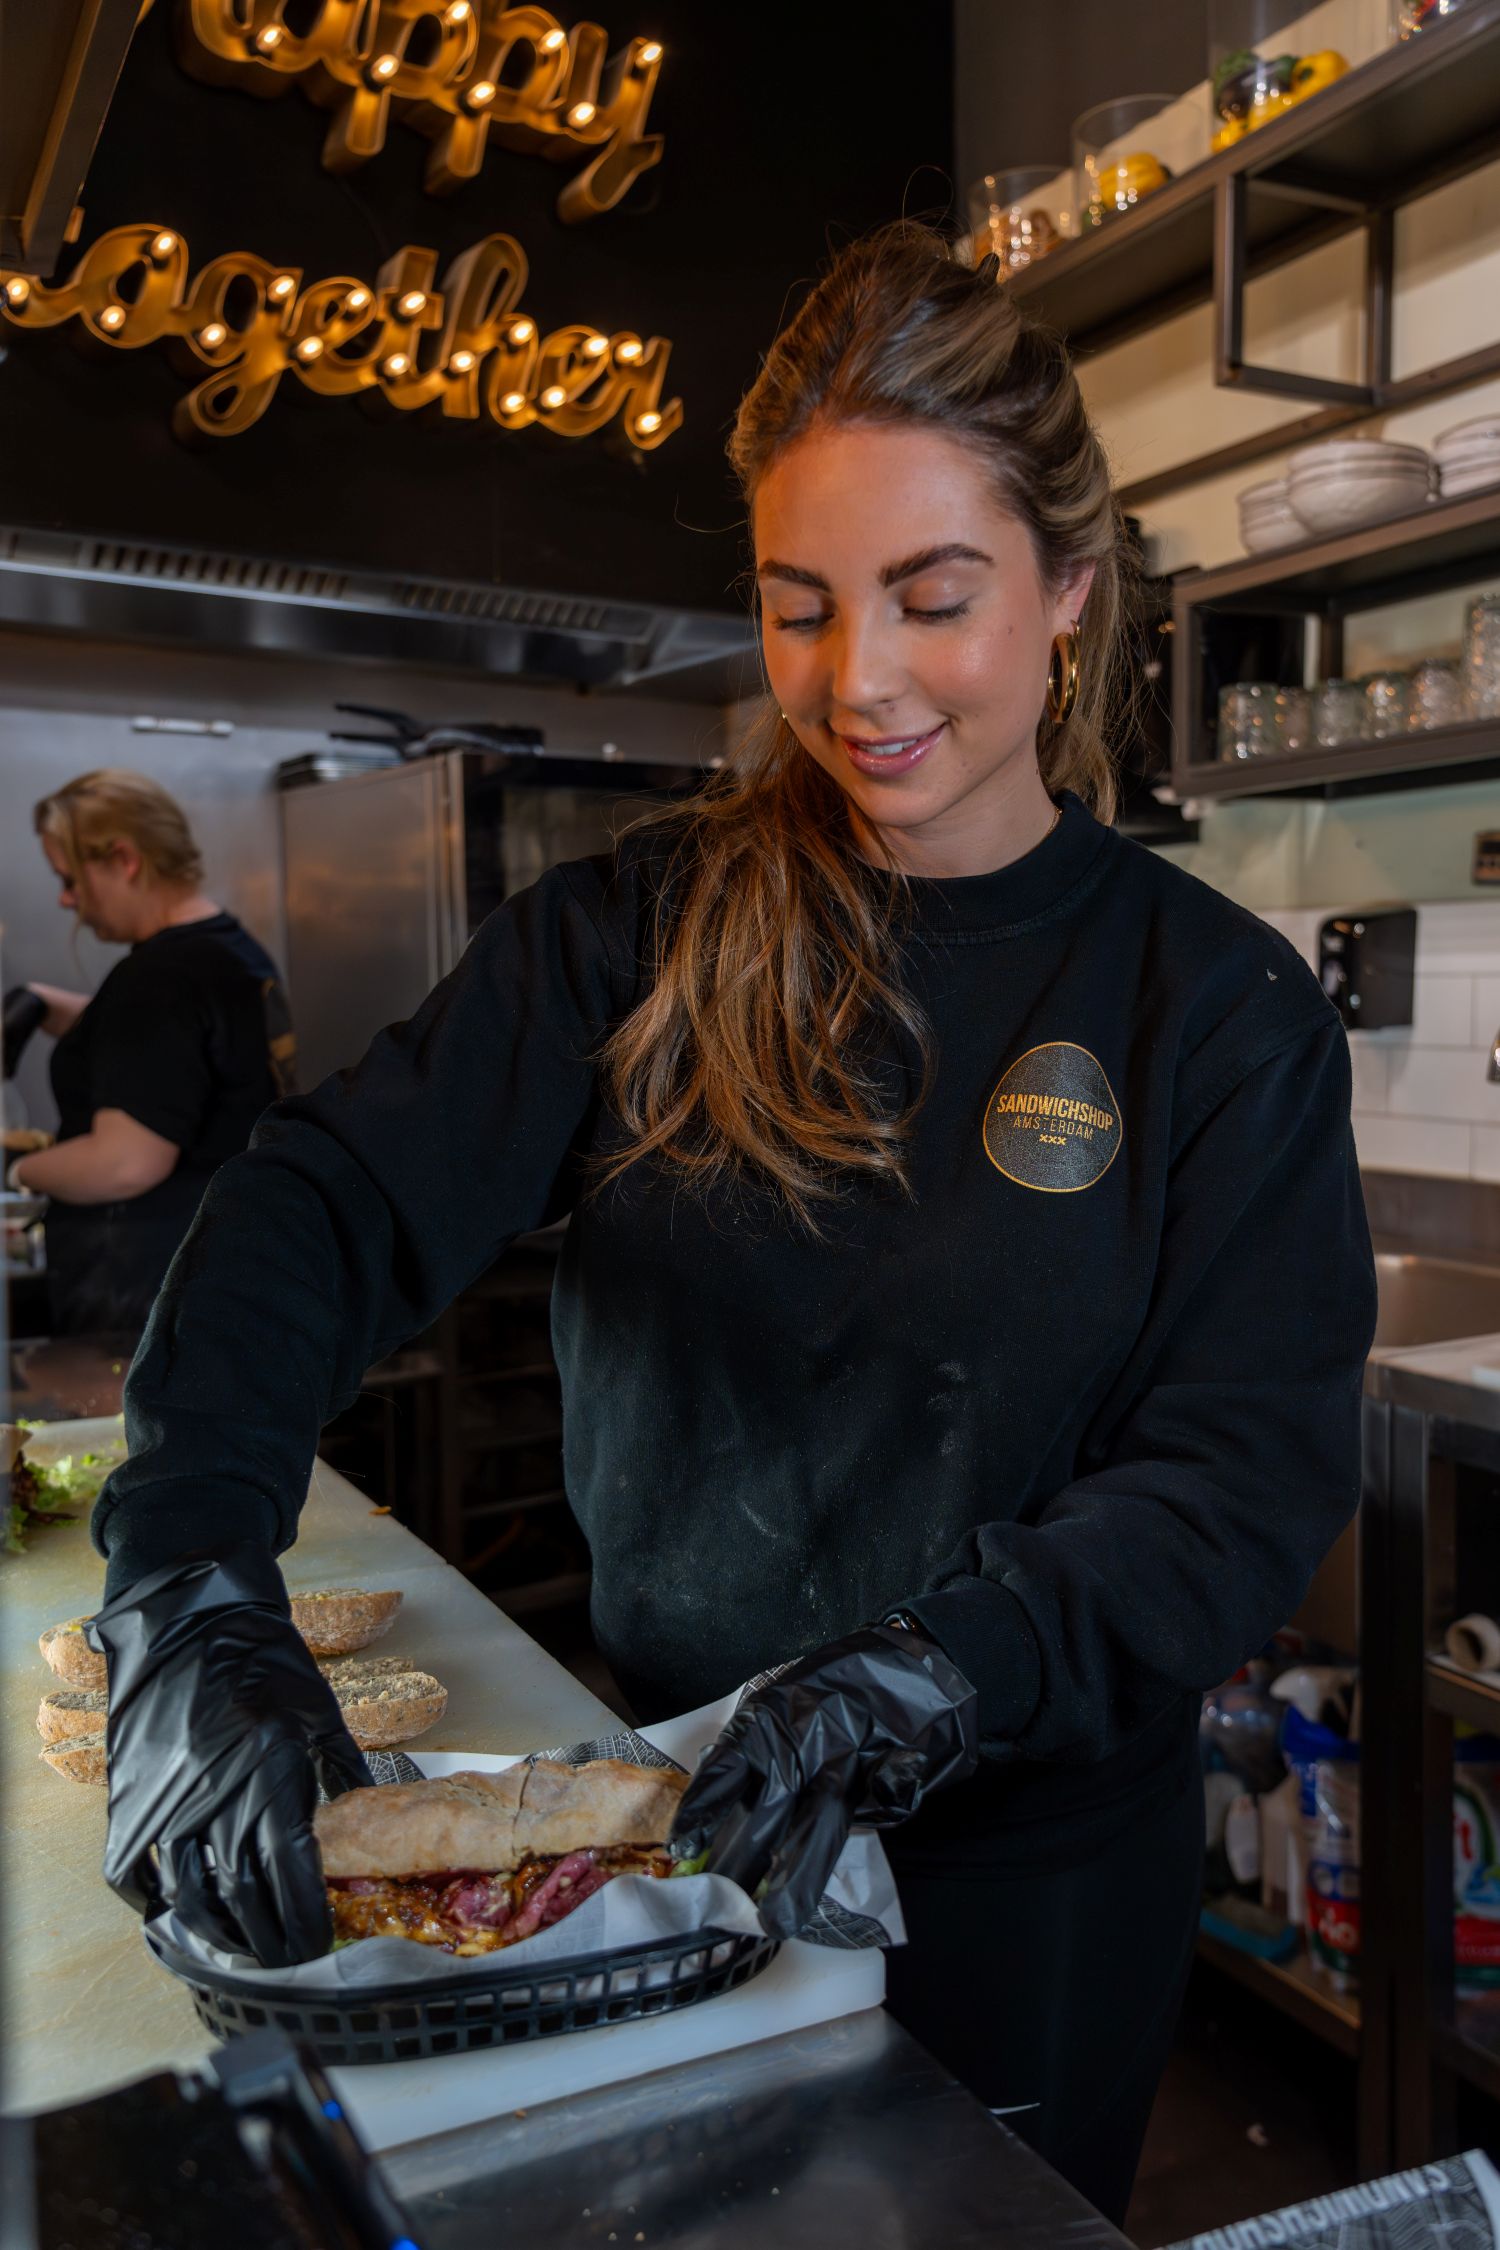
{"x": 220, "y": 1727}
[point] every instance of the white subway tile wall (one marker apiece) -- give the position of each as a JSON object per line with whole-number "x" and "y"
{"x": 1422, "y": 1102}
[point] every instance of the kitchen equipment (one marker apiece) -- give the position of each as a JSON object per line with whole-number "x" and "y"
{"x": 1020, "y": 215}
{"x": 1267, "y": 519}
{"x": 1481, "y": 657}
{"x": 1338, "y": 713}
{"x": 1344, "y": 483}
{"x": 388, "y": 873}
{"x": 1247, "y": 719}
{"x": 1292, "y": 724}
{"x": 250, "y": 2150}
{"x": 1468, "y": 456}
{"x": 403, "y": 2023}
{"x": 1387, "y": 701}
{"x": 1437, "y": 693}
{"x": 1367, "y": 966}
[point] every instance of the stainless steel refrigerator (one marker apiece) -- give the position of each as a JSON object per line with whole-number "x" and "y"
{"x": 389, "y": 872}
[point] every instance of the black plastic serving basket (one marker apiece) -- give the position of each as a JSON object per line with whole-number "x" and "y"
{"x": 458, "y": 2014}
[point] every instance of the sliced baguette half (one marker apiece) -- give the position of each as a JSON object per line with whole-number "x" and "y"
{"x": 82, "y": 1759}
{"x": 342, "y": 1618}
{"x": 70, "y": 1656}
{"x": 71, "y": 1712}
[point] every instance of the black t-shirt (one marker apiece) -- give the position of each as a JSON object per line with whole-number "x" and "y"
{"x": 191, "y": 1036}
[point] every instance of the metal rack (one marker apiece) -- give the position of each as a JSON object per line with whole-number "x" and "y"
{"x": 1395, "y": 129}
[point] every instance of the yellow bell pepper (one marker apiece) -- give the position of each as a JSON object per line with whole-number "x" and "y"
{"x": 1314, "y": 72}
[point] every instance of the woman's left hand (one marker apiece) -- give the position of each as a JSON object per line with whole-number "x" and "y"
{"x": 861, "y": 1730}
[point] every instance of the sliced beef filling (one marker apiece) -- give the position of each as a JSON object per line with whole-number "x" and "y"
{"x": 465, "y": 1912}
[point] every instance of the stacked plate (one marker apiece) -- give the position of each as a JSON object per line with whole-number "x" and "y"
{"x": 1468, "y": 456}
{"x": 1348, "y": 482}
{"x": 1266, "y": 518}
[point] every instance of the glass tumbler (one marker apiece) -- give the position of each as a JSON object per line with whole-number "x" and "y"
{"x": 1293, "y": 722}
{"x": 1116, "y": 157}
{"x": 1247, "y": 719}
{"x": 1437, "y": 693}
{"x": 1481, "y": 658}
{"x": 1338, "y": 713}
{"x": 1387, "y": 702}
{"x": 1020, "y": 215}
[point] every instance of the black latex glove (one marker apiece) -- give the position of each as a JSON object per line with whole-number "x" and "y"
{"x": 219, "y": 1725}
{"x": 861, "y": 1730}
{"x": 22, "y": 1012}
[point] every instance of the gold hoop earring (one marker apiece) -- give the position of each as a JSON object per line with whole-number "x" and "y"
{"x": 1062, "y": 676}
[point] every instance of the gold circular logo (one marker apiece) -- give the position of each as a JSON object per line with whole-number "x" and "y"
{"x": 1053, "y": 1122}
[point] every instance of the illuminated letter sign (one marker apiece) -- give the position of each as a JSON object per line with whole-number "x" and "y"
{"x": 451, "y": 72}
{"x": 464, "y": 350}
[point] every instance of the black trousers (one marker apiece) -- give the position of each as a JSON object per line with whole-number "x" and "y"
{"x": 1052, "y": 1992}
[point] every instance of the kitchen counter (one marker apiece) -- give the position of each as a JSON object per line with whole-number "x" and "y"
{"x": 86, "y": 2006}
{"x": 1460, "y": 1380}
{"x": 845, "y": 2133}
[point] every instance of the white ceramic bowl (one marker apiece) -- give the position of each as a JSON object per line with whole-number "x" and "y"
{"x": 1458, "y": 483}
{"x": 1472, "y": 453}
{"x": 1360, "y": 453}
{"x": 1482, "y": 429}
{"x": 1262, "y": 535}
{"x": 1328, "y": 504}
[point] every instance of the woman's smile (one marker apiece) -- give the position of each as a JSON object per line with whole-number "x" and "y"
{"x": 890, "y": 754}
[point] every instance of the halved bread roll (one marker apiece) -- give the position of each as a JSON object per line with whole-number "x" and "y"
{"x": 82, "y": 1759}
{"x": 70, "y": 1656}
{"x": 343, "y": 1618}
{"x": 71, "y": 1712}
{"x": 388, "y": 1707}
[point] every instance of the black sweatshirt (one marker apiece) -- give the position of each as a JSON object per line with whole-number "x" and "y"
{"x": 1088, "y": 1406}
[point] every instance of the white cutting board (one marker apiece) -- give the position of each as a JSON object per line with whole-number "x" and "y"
{"x": 392, "y": 2103}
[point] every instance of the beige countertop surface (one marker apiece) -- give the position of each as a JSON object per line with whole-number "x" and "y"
{"x": 86, "y": 2007}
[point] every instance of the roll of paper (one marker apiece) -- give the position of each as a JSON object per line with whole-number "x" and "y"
{"x": 1473, "y": 1643}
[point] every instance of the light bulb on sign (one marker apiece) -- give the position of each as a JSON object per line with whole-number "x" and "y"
{"x": 648, "y": 422}
{"x": 553, "y": 41}
{"x": 357, "y": 299}
{"x": 459, "y": 12}
{"x": 281, "y": 288}
{"x": 513, "y": 402}
{"x": 582, "y": 113}
{"x": 164, "y": 245}
{"x": 310, "y": 348}
{"x": 651, "y": 52}
{"x": 270, "y": 38}
{"x": 481, "y": 93}
{"x": 461, "y": 362}
{"x": 384, "y": 68}
{"x": 411, "y": 304}
{"x": 554, "y": 395}
{"x": 397, "y": 364}
{"x": 112, "y": 318}
{"x": 17, "y": 291}
{"x": 596, "y": 345}
{"x": 629, "y": 349}
{"x": 213, "y": 335}
{"x": 522, "y": 331}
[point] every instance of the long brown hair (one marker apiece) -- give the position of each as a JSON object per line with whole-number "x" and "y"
{"x": 775, "y": 959}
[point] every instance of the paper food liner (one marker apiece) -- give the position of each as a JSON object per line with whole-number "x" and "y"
{"x": 860, "y": 1907}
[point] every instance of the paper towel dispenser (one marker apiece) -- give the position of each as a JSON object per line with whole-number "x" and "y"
{"x": 1367, "y": 966}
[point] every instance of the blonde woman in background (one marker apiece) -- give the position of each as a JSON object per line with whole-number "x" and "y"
{"x": 161, "y": 1075}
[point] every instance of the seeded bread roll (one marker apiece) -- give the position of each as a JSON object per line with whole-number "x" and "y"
{"x": 494, "y": 1821}
{"x": 388, "y": 1707}
{"x": 70, "y": 1656}
{"x": 82, "y": 1759}
{"x": 71, "y": 1712}
{"x": 343, "y": 1618}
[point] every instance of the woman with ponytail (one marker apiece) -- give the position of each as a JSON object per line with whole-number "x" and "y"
{"x": 962, "y": 1312}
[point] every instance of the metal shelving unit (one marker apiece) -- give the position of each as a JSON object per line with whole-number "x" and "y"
{"x": 1254, "y": 613}
{"x": 1402, "y": 124}
{"x": 1296, "y": 1988}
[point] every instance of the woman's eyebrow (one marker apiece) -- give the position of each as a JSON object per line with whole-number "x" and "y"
{"x": 929, "y": 558}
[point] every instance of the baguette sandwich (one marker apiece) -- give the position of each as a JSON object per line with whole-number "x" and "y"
{"x": 479, "y": 1861}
